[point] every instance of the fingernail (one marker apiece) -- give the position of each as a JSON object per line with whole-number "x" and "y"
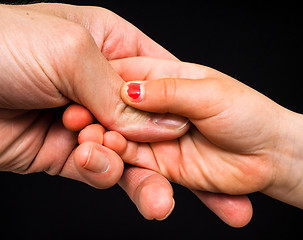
{"x": 97, "y": 161}
{"x": 135, "y": 91}
{"x": 170, "y": 211}
{"x": 169, "y": 121}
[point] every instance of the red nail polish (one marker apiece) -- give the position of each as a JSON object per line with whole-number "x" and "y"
{"x": 134, "y": 90}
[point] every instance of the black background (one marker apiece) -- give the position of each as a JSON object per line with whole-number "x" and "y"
{"x": 258, "y": 44}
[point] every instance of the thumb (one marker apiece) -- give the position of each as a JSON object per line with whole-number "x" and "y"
{"x": 86, "y": 77}
{"x": 191, "y": 98}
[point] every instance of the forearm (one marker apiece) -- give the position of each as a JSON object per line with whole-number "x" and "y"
{"x": 287, "y": 184}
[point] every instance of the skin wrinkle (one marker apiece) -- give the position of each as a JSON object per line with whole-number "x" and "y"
{"x": 136, "y": 177}
{"x": 279, "y": 164}
{"x": 4, "y": 148}
{"x": 276, "y": 164}
{"x": 51, "y": 119}
{"x": 129, "y": 114}
{"x": 18, "y": 63}
{"x": 55, "y": 129}
{"x": 107, "y": 42}
{"x": 181, "y": 164}
{"x": 46, "y": 88}
{"x": 294, "y": 188}
{"x": 203, "y": 170}
{"x": 148, "y": 75}
{"x": 161, "y": 168}
{"x": 25, "y": 67}
{"x": 135, "y": 159}
{"x": 45, "y": 119}
{"x": 169, "y": 91}
{"x": 141, "y": 48}
{"x": 13, "y": 158}
{"x": 157, "y": 163}
{"x": 115, "y": 44}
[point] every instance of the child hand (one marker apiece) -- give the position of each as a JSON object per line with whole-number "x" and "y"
{"x": 240, "y": 142}
{"x": 152, "y": 193}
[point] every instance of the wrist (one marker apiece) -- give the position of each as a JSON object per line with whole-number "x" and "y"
{"x": 287, "y": 184}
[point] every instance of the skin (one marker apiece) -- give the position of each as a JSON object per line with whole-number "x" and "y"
{"x": 53, "y": 55}
{"x": 240, "y": 141}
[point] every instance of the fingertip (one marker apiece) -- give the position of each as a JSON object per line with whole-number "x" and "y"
{"x": 99, "y": 166}
{"x": 81, "y": 154}
{"x": 92, "y": 133}
{"x": 115, "y": 141}
{"x": 151, "y": 192}
{"x": 169, "y": 212}
{"x": 236, "y": 211}
{"x": 76, "y": 117}
{"x": 160, "y": 125}
{"x": 155, "y": 198}
{"x": 132, "y": 92}
{"x": 123, "y": 93}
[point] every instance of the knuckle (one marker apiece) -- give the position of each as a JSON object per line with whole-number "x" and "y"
{"x": 77, "y": 38}
{"x": 72, "y": 49}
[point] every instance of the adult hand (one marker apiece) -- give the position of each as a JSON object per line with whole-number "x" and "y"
{"x": 50, "y": 56}
{"x": 72, "y": 52}
{"x": 241, "y": 141}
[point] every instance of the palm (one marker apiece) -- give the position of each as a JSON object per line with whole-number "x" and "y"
{"x": 196, "y": 163}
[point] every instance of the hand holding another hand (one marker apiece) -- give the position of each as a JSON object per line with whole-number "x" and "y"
{"x": 240, "y": 141}
{"x": 54, "y": 54}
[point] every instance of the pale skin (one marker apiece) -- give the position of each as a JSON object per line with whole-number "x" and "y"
{"x": 64, "y": 59}
{"x": 240, "y": 141}
{"x": 54, "y": 54}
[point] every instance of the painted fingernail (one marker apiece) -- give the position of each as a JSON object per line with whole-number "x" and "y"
{"x": 170, "y": 121}
{"x": 97, "y": 161}
{"x": 135, "y": 91}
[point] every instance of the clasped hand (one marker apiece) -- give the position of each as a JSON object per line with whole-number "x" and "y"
{"x": 54, "y": 54}
{"x": 207, "y": 131}
{"x": 240, "y": 141}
